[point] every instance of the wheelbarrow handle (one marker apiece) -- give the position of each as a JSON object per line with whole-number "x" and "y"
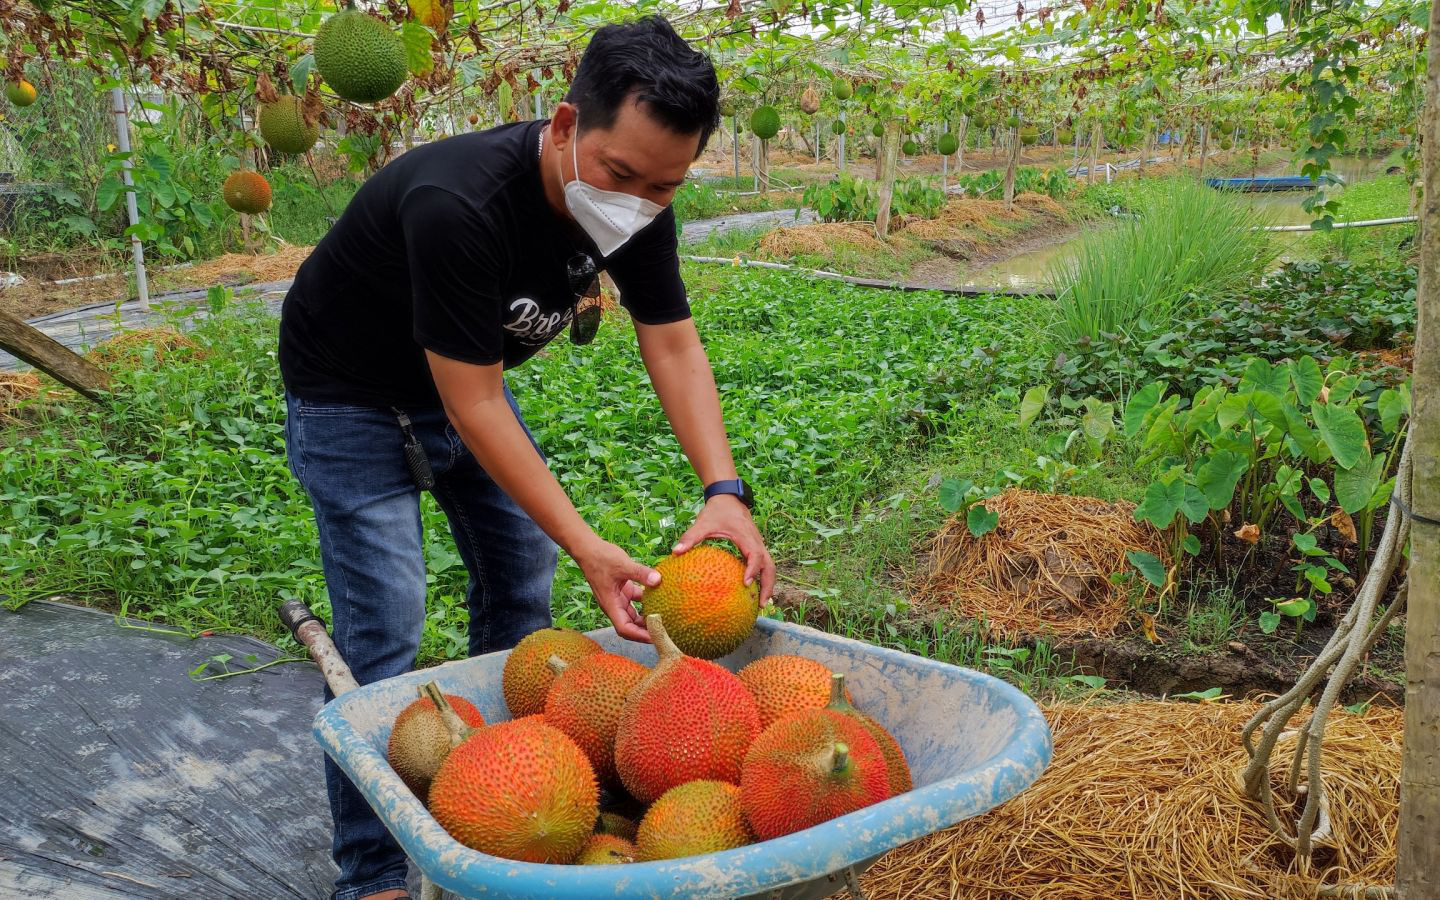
{"x": 310, "y": 631}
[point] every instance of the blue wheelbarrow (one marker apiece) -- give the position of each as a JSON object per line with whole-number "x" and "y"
{"x": 972, "y": 741}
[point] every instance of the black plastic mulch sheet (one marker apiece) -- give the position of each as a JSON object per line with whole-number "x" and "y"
{"x": 120, "y": 776}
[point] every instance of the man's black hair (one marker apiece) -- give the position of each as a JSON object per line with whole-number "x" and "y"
{"x": 646, "y": 59}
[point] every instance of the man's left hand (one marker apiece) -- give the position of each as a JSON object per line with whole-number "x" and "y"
{"x": 724, "y": 516}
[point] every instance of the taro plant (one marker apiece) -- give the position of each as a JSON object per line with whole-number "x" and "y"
{"x": 1241, "y": 457}
{"x": 846, "y": 198}
{"x": 1298, "y": 609}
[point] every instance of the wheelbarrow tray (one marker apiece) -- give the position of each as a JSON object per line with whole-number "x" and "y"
{"x": 972, "y": 741}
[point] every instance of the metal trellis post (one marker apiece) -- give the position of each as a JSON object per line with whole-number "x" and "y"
{"x": 120, "y": 107}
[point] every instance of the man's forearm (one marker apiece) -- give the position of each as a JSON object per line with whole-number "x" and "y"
{"x": 499, "y": 443}
{"x": 685, "y": 384}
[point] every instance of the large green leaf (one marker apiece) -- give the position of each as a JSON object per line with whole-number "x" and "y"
{"x": 1195, "y": 506}
{"x": 981, "y": 521}
{"x": 1141, "y": 402}
{"x": 1234, "y": 408}
{"x": 1305, "y": 440}
{"x": 1262, "y": 376}
{"x": 1218, "y": 475}
{"x": 300, "y": 72}
{"x": 1343, "y": 432}
{"x": 1148, "y": 565}
{"x": 953, "y": 492}
{"x": 1032, "y": 403}
{"x": 417, "y": 40}
{"x": 1271, "y": 407}
{"x": 1391, "y": 407}
{"x": 1161, "y": 503}
{"x": 1356, "y": 486}
{"x": 1305, "y": 374}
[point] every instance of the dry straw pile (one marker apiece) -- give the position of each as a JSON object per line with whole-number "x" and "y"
{"x": 128, "y": 347}
{"x": 822, "y": 239}
{"x": 1045, "y": 567}
{"x": 1139, "y": 802}
{"x": 15, "y": 389}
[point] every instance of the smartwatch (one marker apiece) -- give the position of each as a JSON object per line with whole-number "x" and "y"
{"x": 736, "y": 486}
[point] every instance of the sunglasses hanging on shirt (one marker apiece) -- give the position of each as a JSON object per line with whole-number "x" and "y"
{"x": 585, "y": 285}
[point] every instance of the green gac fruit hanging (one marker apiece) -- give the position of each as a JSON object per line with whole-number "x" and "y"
{"x": 878, "y": 130}
{"x": 283, "y": 126}
{"x": 948, "y": 144}
{"x": 1064, "y": 136}
{"x": 909, "y": 148}
{"x": 765, "y": 122}
{"x": 842, "y": 89}
{"x": 359, "y": 56}
{"x": 1029, "y": 135}
{"x": 837, "y": 127}
{"x": 1012, "y": 122}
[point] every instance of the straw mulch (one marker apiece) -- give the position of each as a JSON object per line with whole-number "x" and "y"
{"x": 822, "y": 239}
{"x": 1045, "y": 567}
{"x": 128, "y": 347}
{"x": 15, "y": 389}
{"x": 1139, "y": 803}
{"x": 233, "y": 267}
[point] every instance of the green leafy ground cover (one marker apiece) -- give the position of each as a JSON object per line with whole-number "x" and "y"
{"x": 174, "y": 501}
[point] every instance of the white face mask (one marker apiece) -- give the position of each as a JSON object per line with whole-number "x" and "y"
{"x": 610, "y": 217}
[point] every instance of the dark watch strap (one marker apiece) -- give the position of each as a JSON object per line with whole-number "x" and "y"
{"x": 735, "y": 486}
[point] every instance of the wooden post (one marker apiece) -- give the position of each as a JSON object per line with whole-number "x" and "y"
{"x": 51, "y": 357}
{"x": 888, "y": 155}
{"x": 735, "y": 134}
{"x": 762, "y": 165}
{"x": 1204, "y": 148}
{"x": 840, "y": 145}
{"x": 1417, "y": 872}
{"x": 1096, "y": 134}
{"x": 960, "y": 154}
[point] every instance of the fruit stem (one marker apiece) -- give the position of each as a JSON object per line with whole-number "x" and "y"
{"x": 661, "y": 638}
{"x": 837, "y": 693}
{"x": 556, "y": 664}
{"x": 842, "y": 758}
{"x": 459, "y": 731}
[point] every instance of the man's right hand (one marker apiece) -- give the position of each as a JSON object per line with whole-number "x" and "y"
{"x": 613, "y": 578}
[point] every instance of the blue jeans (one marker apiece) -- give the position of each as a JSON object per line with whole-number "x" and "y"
{"x": 367, "y": 510}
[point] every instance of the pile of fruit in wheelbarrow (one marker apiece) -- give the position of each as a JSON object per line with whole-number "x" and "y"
{"x": 705, "y": 759}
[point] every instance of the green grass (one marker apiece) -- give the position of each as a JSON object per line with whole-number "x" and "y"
{"x": 1187, "y": 237}
{"x": 1383, "y": 197}
{"x": 173, "y": 501}
{"x": 300, "y": 212}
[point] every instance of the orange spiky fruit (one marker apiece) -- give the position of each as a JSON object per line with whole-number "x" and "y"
{"x": 693, "y": 818}
{"x": 785, "y": 683}
{"x": 585, "y": 702}
{"x": 702, "y": 596}
{"x": 246, "y": 192}
{"x": 687, "y": 719}
{"x": 419, "y": 740}
{"x": 527, "y": 676}
{"x": 896, "y": 768}
{"x": 808, "y": 768}
{"x": 606, "y": 850}
{"x": 517, "y": 790}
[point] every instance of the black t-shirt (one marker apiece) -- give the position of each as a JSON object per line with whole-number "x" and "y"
{"x": 452, "y": 248}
